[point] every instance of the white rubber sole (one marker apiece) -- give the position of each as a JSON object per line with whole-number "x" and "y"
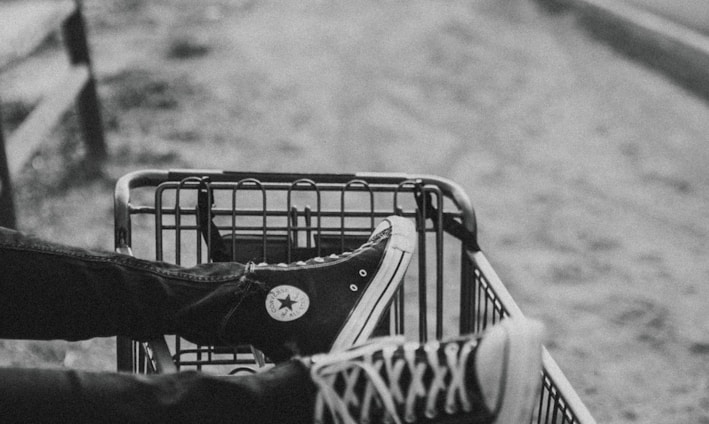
{"x": 366, "y": 314}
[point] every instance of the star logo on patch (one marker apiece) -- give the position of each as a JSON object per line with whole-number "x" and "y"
{"x": 286, "y": 303}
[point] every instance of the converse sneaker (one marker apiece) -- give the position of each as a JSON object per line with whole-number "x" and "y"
{"x": 492, "y": 378}
{"x": 326, "y": 303}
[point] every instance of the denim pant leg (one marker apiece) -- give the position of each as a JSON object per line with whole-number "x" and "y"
{"x": 283, "y": 394}
{"x": 52, "y": 291}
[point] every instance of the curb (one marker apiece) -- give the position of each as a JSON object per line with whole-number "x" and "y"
{"x": 680, "y": 52}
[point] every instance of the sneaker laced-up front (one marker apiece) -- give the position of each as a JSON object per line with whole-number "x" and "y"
{"x": 318, "y": 260}
{"x": 391, "y": 381}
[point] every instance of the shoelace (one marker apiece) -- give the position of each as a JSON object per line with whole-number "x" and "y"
{"x": 251, "y": 266}
{"x": 315, "y": 260}
{"x": 383, "y": 393}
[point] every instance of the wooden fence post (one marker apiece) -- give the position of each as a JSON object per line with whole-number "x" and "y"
{"x": 88, "y": 108}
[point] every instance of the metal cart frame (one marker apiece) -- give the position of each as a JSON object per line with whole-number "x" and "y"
{"x": 194, "y": 216}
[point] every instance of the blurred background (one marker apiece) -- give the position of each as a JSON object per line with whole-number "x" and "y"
{"x": 588, "y": 170}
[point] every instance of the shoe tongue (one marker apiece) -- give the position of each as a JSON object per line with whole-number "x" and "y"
{"x": 380, "y": 235}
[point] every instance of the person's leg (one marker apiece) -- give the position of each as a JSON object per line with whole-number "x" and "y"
{"x": 491, "y": 378}
{"x": 50, "y": 291}
{"x": 283, "y": 394}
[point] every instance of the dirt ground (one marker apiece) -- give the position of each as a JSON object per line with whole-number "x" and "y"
{"x": 588, "y": 171}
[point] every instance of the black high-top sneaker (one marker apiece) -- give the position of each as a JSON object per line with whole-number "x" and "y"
{"x": 321, "y": 304}
{"x": 491, "y": 378}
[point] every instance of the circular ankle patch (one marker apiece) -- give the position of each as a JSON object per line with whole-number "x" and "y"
{"x": 286, "y": 303}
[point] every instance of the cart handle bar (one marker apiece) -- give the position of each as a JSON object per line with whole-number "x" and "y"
{"x": 466, "y": 230}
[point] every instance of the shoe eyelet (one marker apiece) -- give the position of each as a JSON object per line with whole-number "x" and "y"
{"x": 318, "y": 259}
{"x": 282, "y": 265}
{"x": 362, "y": 273}
{"x": 353, "y": 287}
{"x": 300, "y": 263}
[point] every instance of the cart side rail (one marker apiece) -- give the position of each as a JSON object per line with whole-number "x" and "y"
{"x": 559, "y": 389}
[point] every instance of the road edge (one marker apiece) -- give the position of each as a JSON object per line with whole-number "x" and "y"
{"x": 678, "y": 51}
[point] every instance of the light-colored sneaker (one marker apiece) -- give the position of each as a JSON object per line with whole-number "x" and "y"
{"x": 490, "y": 378}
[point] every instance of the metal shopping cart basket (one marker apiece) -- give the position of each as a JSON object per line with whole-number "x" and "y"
{"x": 194, "y": 216}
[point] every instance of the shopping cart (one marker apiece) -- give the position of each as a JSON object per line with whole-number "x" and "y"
{"x": 194, "y": 216}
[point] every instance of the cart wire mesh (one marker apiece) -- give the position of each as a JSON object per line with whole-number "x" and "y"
{"x": 189, "y": 217}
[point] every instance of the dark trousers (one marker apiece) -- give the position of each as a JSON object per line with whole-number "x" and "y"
{"x": 50, "y": 291}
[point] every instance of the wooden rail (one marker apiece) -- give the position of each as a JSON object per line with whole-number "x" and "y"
{"x": 24, "y": 25}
